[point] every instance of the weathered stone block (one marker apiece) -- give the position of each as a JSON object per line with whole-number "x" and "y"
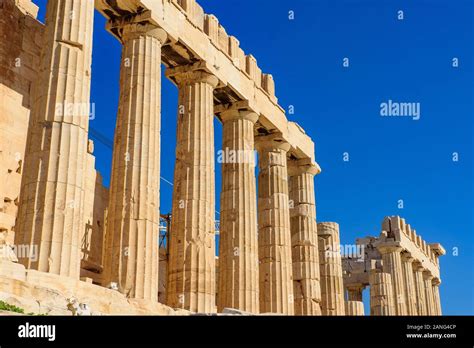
{"x": 211, "y": 28}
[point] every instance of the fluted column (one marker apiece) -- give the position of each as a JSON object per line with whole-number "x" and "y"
{"x": 430, "y": 305}
{"x": 354, "y": 292}
{"x": 191, "y": 272}
{"x": 381, "y": 293}
{"x": 392, "y": 263}
{"x": 304, "y": 237}
{"x": 436, "y": 297}
{"x": 131, "y": 258}
{"x": 410, "y": 291}
{"x": 419, "y": 288}
{"x": 52, "y": 193}
{"x": 330, "y": 265}
{"x": 354, "y": 308}
{"x": 274, "y": 236}
{"x": 238, "y": 245}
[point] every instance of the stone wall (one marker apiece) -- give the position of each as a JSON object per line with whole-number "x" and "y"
{"x": 95, "y": 211}
{"x": 20, "y": 42}
{"x": 20, "y": 49}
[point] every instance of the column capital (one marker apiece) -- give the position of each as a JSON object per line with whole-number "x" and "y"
{"x": 273, "y": 141}
{"x": 418, "y": 266}
{"x": 436, "y": 282}
{"x": 406, "y": 257}
{"x": 196, "y": 76}
{"x": 303, "y": 166}
{"x": 130, "y": 31}
{"x": 133, "y": 26}
{"x": 328, "y": 229}
{"x": 237, "y": 114}
{"x": 388, "y": 247}
{"x": 193, "y": 73}
{"x": 427, "y": 275}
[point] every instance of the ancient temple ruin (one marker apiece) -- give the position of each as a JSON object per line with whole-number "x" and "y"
{"x": 101, "y": 245}
{"x": 401, "y": 270}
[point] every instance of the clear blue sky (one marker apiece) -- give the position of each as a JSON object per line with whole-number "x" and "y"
{"x": 389, "y": 158}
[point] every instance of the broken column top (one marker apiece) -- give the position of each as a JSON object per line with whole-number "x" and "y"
{"x": 328, "y": 229}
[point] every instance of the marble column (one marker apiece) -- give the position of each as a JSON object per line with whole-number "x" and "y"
{"x": 392, "y": 263}
{"x": 436, "y": 298}
{"x": 354, "y": 308}
{"x": 419, "y": 288}
{"x": 51, "y": 204}
{"x": 131, "y": 259}
{"x": 381, "y": 293}
{"x": 274, "y": 236}
{"x": 191, "y": 272}
{"x": 304, "y": 237}
{"x": 354, "y": 292}
{"x": 410, "y": 291}
{"x": 238, "y": 244}
{"x": 330, "y": 265}
{"x": 430, "y": 305}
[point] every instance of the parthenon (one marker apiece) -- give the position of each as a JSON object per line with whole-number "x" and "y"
{"x": 400, "y": 268}
{"x": 101, "y": 245}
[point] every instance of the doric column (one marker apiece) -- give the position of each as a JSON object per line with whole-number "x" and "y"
{"x": 274, "y": 236}
{"x": 410, "y": 291}
{"x": 52, "y": 194}
{"x": 330, "y": 265}
{"x": 238, "y": 245}
{"x": 131, "y": 258}
{"x": 430, "y": 305}
{"x": 304, "y": 237}
{"x": 354, "y": 292}
{"x": 191, "y": 272}
{"x": 354, "y": 308}
{"x": 436, "y": 298}
{"x": 392, "y": 263}
{"x": 381, "y": 293}
{"x": 419, "y": 288}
